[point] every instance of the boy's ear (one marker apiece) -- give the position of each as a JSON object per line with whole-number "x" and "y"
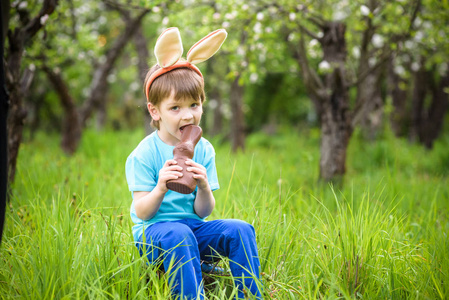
{"x": 152, "y": 109}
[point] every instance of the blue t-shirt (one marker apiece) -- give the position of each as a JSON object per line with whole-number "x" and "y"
{"x": 142, "y": 174}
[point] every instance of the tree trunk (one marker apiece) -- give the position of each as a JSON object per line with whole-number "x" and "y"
{"x": 336, "y": 130}
{"x": 397, "y": 88}
{"x": 370, "y": 115}
{"x": 17, "y": 113}
{"x": 418, "y": 99}
{"x": 4, "y": 17}
{"x": 368, "y": 112}
{"x": 71, "y": 126}
{"x": 434, "y": 116}
{"x": 18, "y": 38}
{"x": 336, "y": 126}
{"x": 217, "y": 121}
{"x": 140, "y": 43}
{"x": 237, "y": 122}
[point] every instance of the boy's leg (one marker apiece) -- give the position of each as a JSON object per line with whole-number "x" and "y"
{"x": 236, "y": 240}
{"x": 175, "y": 243}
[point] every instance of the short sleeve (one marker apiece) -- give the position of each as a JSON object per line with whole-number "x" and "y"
{"x": 140, "y": 174}
{"x": 209, "y": 164}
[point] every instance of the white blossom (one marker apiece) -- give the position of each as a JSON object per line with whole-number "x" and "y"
{"x": 324, "y": 66}
{"x": 399, "y": 70}
{"x": 291, "y": 37}
{"x": 134, "y": 86}
{"x": 226, "y": 24}
{"x": 356, "y": 52}
{"x": 364, "y": 10}
{"x": 253, "y": 77}
{"x": 257, "y": 28}
{"x": 229, "y": 16}
{"x": 409, "y": 44}
{"x": 378, "y": 40}
{"x": 415, "y": 66}
{"x": 292, "y": 16}
{"x": 213, "y": 104}
{"x": 268, "y": 30}
{"x": 156, "y": 9}
{"x": 313, "y": 42}
{"x": 245, "y": 6}
{"x": 102, "y": 20}
{"x": 259, "y": 16}
{"x": 419, "y": 36}
{"x": 272, "y": 10}
{"x": 427, "y": 25}
{"x": 372, "y": 61}
{"x": 320, "y": 34}
{"x": 216, "y": 16}
{"x": 23, "y": 5}
{"x": 111, "y": 78}
{"x": 418, "y": 21}
{"x": 44, "y": 19}
{"x": 339, "y": 15}
{"x": 165, "y": 21}
{"x": 240, "y": 51}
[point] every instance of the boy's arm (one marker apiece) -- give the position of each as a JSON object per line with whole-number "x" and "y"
{"x": 147, "y": 204}
{"x": 204, "y": 202}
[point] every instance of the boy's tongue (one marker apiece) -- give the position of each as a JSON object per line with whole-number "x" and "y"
{"x": 183, "y": 127}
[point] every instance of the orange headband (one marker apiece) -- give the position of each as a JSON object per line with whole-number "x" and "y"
{"x": 168, "y": 51}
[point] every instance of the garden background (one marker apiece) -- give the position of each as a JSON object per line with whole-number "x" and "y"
{"x": 329, "y": 120}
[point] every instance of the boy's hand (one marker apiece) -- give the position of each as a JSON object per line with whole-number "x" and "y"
{"x": 200, "y": 174}
{"x": 169, "y": 171}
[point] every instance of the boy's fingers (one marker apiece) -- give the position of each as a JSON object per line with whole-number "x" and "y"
{"x": 174, "y": 168}
{"x": 190, "y": 162}
{"x": 196, "y": 170}
{"x": 170, "y": 162}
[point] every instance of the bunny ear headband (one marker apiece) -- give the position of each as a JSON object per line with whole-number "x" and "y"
{"x": 168, "y": 51}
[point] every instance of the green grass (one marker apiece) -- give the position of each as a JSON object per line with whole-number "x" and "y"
{"x": 383, "y": 234}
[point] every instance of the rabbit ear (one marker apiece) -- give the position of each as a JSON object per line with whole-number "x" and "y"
{"x": 207, "y": 46}
{"x": 168, "y": 49}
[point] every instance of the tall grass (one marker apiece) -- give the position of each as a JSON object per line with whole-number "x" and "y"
{"x": 383, "y": 234}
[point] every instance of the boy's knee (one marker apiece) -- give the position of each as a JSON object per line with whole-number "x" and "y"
{"x": 239, "y": 227}
{"x": 179, "y": 235}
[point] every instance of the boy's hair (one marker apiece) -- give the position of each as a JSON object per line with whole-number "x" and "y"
{"x": 183, "y": 82}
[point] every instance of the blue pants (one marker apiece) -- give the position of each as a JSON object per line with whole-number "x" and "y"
{"x": 182, "y": 244}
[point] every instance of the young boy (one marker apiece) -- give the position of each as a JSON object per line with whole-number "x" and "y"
{"x": 170, "y": 226}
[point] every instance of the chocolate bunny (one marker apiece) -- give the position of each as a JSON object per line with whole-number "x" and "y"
{"x": 183, "y": 151}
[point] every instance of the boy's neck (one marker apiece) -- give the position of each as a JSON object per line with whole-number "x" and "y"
{"x": 165, "y": 140}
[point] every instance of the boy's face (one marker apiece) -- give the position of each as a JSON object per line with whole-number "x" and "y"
{"x": 173, "y": 114}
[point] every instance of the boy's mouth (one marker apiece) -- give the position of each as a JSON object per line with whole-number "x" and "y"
{"x": 182, "y": 127}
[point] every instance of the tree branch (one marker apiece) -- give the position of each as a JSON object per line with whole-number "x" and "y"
{"x": 99, "y": 85}
{"x": 309, "y": 33}
{"x": 36, "y": 23}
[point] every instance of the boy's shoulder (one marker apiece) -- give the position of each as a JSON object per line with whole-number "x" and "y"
{"x": 146, "y": 145}
{"x": 204, "y": 143}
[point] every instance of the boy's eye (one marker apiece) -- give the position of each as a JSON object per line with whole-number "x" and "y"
{"x": 174, "y": 108}
{"x": 194, "y": 105}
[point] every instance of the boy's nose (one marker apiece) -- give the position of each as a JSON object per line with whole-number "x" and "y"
{"x": 187, "y": 115}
